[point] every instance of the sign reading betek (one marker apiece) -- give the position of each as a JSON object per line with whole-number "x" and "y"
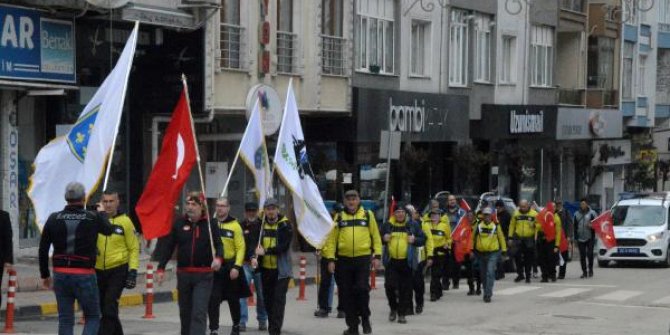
{"x": 33, "y": 47}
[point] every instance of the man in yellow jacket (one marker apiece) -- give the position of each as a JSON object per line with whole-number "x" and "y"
{"x": 228, "y": 284}
{"x": 116, "y": 264}
{"x": 489, "y": 244}
{"x": 441, "y": 237}
{"x": 354, "y": 243}
{"x": 548, "y": 251}
{"x": 522, "y": 231}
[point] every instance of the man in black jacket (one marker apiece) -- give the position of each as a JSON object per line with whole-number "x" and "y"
{"x": 195, "y": 263}
{"x": 73, "y": 232}
{"x": 6, "y": 246}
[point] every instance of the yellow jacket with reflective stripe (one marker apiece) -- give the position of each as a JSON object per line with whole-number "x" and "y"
{"x": 233, "y": 240}
{"x": 524, "y": 225}
{"x": 398, "y": 245}
{"x": 428, "y": 250}
{"x": 441, "y": 234}
{"x": 488, "y": 237}
{"x": 122, "y": 247}
{"x": 354, "y": 235}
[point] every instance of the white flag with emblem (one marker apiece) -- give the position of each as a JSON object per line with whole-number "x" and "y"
{"x": 292, "y": 164}
{"x": 254, "y": 153}
{"x": 82, "y": 153}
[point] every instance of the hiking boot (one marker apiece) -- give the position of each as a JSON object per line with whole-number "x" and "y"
{"x": 321, "y": 313}
{"x": 392, "y": 316}
{"x": 367, "y": 327}
{"x": 519, "y": 278}
{"x": 419, "y": 309}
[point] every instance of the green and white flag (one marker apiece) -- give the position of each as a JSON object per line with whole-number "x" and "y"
{"x": 292, "y": 164}
{"x": 254, "y": 154}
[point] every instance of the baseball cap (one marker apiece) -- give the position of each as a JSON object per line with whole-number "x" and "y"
{"x": 250, "y": 206}
{"x": 271, "y": 202}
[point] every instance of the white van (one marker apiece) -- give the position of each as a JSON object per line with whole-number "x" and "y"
{"x": 641, "y": 230}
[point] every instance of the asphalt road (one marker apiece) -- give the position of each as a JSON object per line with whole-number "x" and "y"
{"x": 616, "y": 301}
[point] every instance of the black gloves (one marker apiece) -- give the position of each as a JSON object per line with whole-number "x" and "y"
{"x": 131, "y": 279}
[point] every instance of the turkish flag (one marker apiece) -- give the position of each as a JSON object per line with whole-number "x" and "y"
{"x": 546, "y": 218}
{"x": 604, "y": 228}
{"x": 465, "y": 206}
{"x": 563, "y": 246}
{"x": 173, "y": 167}
{"x": 462, "y": 237}
{"x": 394, "y": 204}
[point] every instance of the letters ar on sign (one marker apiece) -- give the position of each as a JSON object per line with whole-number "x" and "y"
{"x": 389, "y": 146}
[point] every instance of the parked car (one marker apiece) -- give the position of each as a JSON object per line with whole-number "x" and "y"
{"x": 489, "y": 199}
{"x": 641, "y": 229}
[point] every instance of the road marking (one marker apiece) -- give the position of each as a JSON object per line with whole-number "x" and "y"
{"x": 566, "y": 292}
{"x": 620, "y": 295}
{"x": 583, "y": 285}
{"x": 517, "y": 290}
{"x": 662, "y": 301}
{"x": 617, "y": 305}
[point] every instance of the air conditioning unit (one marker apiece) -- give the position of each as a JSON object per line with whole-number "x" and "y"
{"x": 194, "y": 3}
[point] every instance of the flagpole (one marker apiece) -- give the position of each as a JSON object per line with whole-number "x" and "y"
{"x": 197, "y": 152}
{"x": 116, "y": 131}
{"x": 230, "y": 172}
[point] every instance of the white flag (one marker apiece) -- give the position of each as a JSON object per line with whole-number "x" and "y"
{"x": 254, "y": 154}
{"x": 81, "y": 154}
{"x": 292, "y": 164}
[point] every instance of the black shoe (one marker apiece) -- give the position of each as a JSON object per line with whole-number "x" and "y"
{"x": 455, "y": 286}
{"x": 471, "y": 292}
{"x": 433, "y": 298}
{"x": 419, "y": 309}
{"x": 351, "y": 331}
{"x": 262, "y": 326}
{"x": 392, "y": 316}
{"x": 487, "y": 299}
{"x": 553, "y": 279}
{"x": 479, "y": 291}
{"x": 544, "y": 280}
{"x": 583, "y": 275}
{"x": 590, "y": 273}
{"x": 235, "y": 330}
{"x": 401, "y": 319}
{"x": 535, "y": 275}
{"x": 321, "y": 313}
{"x": 561, "y": 277}
{"x": 214, "y": 332}
{"x": 243, "y": 328}
{"x": 519, "y": 278}
{"x": 528, "y": 280}
{"x": 367, "y": 327}
{"x": 341, "y": 315}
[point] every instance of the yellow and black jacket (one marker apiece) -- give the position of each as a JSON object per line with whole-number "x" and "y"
{"x": 441, "y": 235}
{"x": 398, "y": 247}
{"x": 524, "y": 225}
{"x": 232, "y": 240}
{"x": 354, "y": 235}
{"x": 488, "y": 237}
{"x": 119, "y": 248}
{"x": 428, "y": 250}
{"x": 276, "y": 240}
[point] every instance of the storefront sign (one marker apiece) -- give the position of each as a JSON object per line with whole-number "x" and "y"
{"x": 33, "y": 47}
{"x": 420, "y": 117}
{"x": 515, "y": 122}
{"x": 582, "y": 124}
{"x": 617, "y": 152}
{"x": 158, "y": 16}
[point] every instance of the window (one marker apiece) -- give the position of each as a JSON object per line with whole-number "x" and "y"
{"x": 483, "y": 48}
{"x": 642, "y": 74}
{"x": 627, "y": 82}
{"x": 541, "y": 56}
{"x": 508, "y": 69}
{"x": 573, "y": 5}
{"x": 664, "y": 11}
{"x": 333, "y": 44}
{"x": 287, "y": 40}
{"x": 458, "y": 51}
{"x": 601, "y": 62}
{"x": 230, "y": 38}
{"x": 375, "y": 35}
{"x": 420, "y": 48}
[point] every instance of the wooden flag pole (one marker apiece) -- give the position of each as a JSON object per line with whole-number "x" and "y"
{"x": 202, "y": 181}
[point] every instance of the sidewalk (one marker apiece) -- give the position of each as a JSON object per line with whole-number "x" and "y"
{"x": 33, "y": 301}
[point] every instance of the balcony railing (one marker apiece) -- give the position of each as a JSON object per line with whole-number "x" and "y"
{"x": 572, "y": 97}
{"x": 601, "y": 98}
{"x": 287, "y": 51}
{"x": 332, "y": 55}
{"x": 231, "y": 46}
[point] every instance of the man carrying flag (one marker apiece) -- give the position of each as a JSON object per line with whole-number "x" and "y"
{"x": 549, "y": 241}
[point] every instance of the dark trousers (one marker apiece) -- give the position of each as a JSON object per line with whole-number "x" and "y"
{"x": 439, "y": 260}
{"x": 110, "y": 285}
{"x": 419, "y": 283}
{"x": 547, "y": 258}
{"x": 398, "y": 286}
{"x": 586, "y": 253}
{"x": 194, "y": 292}
{"x": 562, "y": 268}
{"x": 324, "y": 288}
{"x": 452, "y": 271}
{"x": 352, "y": 277}
{"x": 274, "y": 296}
{"x": 472, "y": 271}
{"x": 2, "y": 271}
{"x": 215, "y": 299}
{"x": 525, "y": 257}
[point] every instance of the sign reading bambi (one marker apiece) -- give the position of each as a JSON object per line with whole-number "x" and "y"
{"x": 407, "y": 118}
{"x": 33, "y": 47}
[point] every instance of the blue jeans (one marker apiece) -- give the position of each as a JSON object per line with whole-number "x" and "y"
{"x": 83, "y": 288}
{"x": 488, "y": 261}
{"x": 261, "y": 314}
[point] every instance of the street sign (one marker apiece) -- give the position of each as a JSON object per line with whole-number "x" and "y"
{"x": 391, "y": 144}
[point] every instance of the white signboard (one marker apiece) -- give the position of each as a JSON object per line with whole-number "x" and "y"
{"x": 615, "y": 152}
{"x": 392, "y": 144}
{"x": 271, "y": 107}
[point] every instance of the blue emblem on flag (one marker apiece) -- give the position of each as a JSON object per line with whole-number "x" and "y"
{"x": 77, "y": 138}
{"x": 259, "y": 158}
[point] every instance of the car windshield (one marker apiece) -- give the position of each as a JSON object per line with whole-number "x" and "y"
{"x": 638, "y": 216}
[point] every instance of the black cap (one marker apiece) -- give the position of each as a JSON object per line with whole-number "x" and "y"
{"x": 251, "y": 206}
{"x": 500, "y": 203}
{"x": 351, "y": 193}
{"x": 271, "y": 202}
{"x": 401, "y": 205}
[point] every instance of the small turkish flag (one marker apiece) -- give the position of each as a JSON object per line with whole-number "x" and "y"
{"x": 546, "y": 218}
{"x": 173, "y": 167}
{"x": 462, "y": 236}
{"x": 465, "y": 206}
{"x": 604, "y": 228}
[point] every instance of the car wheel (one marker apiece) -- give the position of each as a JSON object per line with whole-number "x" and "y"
{"x": 603, "y": 264}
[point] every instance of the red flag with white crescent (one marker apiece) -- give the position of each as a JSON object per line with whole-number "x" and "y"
{"x": 173, "y": 167}
{"x": 604, "y": 228}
